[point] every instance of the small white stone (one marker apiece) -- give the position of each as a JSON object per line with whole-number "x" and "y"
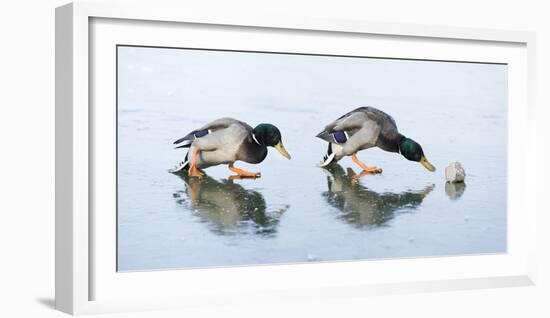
{"x": 454, "y": 172}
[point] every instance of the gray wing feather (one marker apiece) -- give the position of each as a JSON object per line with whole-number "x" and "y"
{"x": 224, "y": 123}
{"x": 216, "y": 125}
{"x": 386, "y": 121}
{"x": 360, "y": 119}
{"x": 389, "y": 135}
{"x": 350, "y": 123}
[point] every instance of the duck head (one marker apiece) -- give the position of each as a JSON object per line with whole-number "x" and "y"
{"x": 269, "y": 135}
{"x": 412, "y": 150}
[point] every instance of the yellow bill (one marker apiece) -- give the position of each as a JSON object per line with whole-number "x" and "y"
{"x": 282, "y": 150}
{"x": 427, "y": 164}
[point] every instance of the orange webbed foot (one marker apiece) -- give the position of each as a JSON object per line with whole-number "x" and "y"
{"x": 363, "y": 166}
{"x": 241, "y": 173}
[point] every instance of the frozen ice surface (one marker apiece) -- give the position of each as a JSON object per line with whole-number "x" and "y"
{"x": 454, "y": 110}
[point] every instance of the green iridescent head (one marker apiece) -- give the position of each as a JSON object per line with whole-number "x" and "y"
{"x": 412, "y": 150}
{"x": 269, "y": 135}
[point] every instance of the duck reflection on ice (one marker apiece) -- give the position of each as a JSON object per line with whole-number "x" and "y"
{"x": 229, "y": 208}
{"x": 362, "y": 207}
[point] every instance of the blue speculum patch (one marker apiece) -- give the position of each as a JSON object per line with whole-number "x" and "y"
{"x": 201, "y": 133}
{"x": 340, "y": 137}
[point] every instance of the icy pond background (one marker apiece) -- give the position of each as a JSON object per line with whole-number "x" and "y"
{"x": 297, "y": 212}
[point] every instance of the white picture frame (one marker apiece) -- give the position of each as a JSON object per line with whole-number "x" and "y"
{"x": 79, "y": 266}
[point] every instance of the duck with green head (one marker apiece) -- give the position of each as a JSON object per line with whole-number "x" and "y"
{"x": 225, "y": 141}
{"x": 367, "y": 127}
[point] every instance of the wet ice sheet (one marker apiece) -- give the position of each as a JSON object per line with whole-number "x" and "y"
{"x": 297, "y": 212}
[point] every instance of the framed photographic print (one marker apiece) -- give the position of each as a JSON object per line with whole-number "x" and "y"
{"x": 213, "y": 158}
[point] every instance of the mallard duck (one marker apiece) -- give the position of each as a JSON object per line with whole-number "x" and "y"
{"x": 225, "y": 141}
{"x": 367, "y": 127}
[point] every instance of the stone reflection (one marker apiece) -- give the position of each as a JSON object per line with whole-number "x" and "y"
{"x": 455, "y": 190}
{"x": 364, "y": 208}
{"x": 228, "y": 208}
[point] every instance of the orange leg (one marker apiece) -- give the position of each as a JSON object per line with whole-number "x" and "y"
{"x": 243, "y": 173}
{"x": 364, "y": 166}
{"x": 193, "y": 170}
